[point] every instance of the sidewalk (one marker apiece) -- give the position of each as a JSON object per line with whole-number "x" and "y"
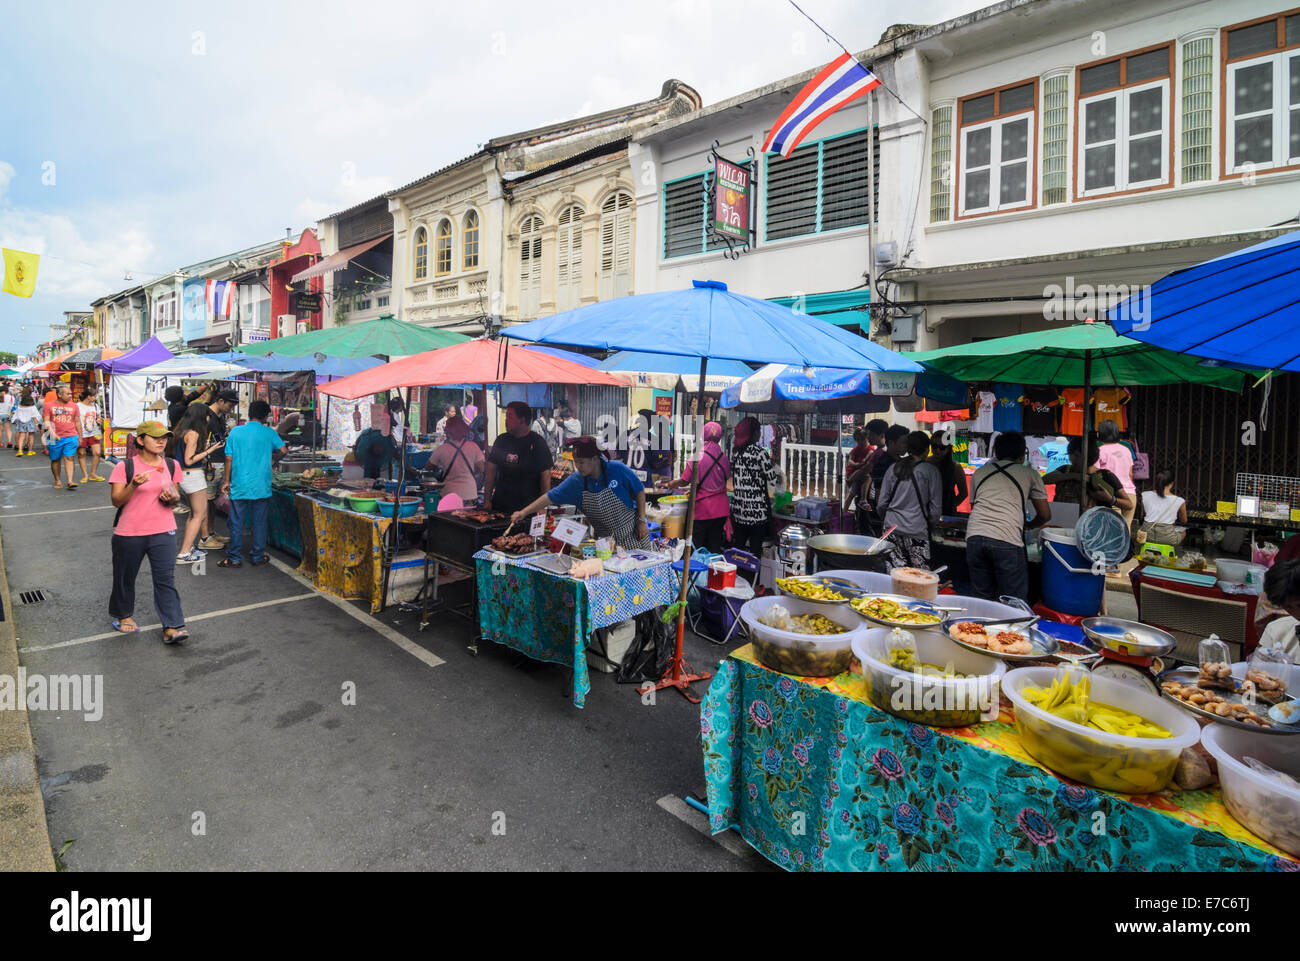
{"x": 237, "y": 751}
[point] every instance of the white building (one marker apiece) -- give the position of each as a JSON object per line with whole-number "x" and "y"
{"x": 517, "y": 229}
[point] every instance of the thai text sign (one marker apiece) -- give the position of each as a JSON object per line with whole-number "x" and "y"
{"x": 730, "y": 199}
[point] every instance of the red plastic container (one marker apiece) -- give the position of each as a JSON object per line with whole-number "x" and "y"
{"x": 721, "y": 575}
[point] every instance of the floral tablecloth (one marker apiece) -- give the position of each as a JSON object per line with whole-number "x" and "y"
{"x": 343, "y": 550}
{"x": 817, "y": 779}
{"x": 550, "y": 618}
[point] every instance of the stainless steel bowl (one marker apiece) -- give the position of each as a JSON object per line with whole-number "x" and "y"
{"x": 1128, "y": 637}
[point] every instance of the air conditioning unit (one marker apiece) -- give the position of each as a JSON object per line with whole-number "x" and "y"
{"x": 287, "y": 324}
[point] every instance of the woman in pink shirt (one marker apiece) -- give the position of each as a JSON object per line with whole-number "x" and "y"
{"x": 1118, "y": 459}
{"x": 712, "y": 510}
{"x": 145, "y": 525}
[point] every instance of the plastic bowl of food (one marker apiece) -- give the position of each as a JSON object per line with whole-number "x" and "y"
{"x": 366, "y": 505}
{"x": 1112, "y": 762}
{"x": 797, "y": 653}
{"x": 1267, "y": 806}
{"x": 928, "y": 698}
{"x": 408, "y": 509}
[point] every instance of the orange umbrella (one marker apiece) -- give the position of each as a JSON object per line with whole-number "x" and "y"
{"x": 473, "y": 362}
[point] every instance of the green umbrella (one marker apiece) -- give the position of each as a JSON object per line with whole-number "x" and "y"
{"x": 386, "y": 336}
{"x": 10, "y": 372}
{"x": 1084, "y": 355}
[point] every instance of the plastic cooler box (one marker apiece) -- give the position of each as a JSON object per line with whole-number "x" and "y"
{"x": 721, "y": 575}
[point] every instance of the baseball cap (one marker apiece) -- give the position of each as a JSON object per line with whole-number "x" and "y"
{"x": 229, "y": 395}
{"x": 153, "y": 428}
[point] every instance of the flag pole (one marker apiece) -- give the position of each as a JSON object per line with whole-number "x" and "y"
{"x": 871, "y": 212}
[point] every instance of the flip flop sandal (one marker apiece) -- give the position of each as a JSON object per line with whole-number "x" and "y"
{"x": 117, "y": 626}
{"x": 72, "y": 487}
{"x": 176, "y": 636}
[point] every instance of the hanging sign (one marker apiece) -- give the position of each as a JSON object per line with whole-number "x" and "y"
{"x": 887, "y": 384}
{"x": 307, "y": 302}
{"x": 730, "y": 199}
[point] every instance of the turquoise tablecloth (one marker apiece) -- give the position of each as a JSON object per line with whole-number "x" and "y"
{"x": 551, "y": 618}
{"x": 819, "y": 781}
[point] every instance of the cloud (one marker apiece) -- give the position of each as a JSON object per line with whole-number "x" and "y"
{"x": 7, "y": 174}
{"x": 94, "y": 252}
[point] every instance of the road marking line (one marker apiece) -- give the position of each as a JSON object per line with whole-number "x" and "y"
{"x": 380, "y": 628}
{"x": 75, "y": 510}
{"x": 696, "y": 819}
{"x": 158, "y": 627}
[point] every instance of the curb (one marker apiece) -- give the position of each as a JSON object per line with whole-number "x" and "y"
{"x": 24, "y": 833}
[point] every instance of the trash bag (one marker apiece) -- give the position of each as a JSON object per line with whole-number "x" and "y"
{"x": 652, "y": 648}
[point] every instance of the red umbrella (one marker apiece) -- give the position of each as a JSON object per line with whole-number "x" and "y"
{"x": 473, "y": 362}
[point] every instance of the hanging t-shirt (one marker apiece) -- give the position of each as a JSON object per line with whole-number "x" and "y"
{"x": 1072, "y": 411}
{"x": 984, "y": 420}
{"x": 1110, "y": 403}
{"x": 1006, "y": 414}
{"x": 1040, "y": 410}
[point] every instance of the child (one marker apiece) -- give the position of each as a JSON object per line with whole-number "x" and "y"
{"x": 88, "y": 413}
{"x": 25, "y": 419}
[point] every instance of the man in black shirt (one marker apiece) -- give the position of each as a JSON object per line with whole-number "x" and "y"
{"x": 518, "y": 465}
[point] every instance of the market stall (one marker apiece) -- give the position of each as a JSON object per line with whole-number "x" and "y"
{"x": 920, "y": 748}
{"x": 816, "y": 778}
{"x": 550, "y": 616}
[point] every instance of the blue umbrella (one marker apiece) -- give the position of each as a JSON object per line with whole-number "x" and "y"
{"x": 1241, "y": 308}
{"x": 640, "y": 361}
{"x": 709, "y": 322}
{"x": 706, "y": 322}
{"x": 771, "y": 387}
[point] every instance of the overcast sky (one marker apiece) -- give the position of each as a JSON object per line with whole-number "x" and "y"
{"x": 145, "y": 136}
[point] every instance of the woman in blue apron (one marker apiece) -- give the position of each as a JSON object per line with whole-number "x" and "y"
{"x": 610, "y": 496}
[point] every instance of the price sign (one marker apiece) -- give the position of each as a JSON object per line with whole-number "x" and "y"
{"x": 570, "y": 532}
{"x": 537, "y": 526}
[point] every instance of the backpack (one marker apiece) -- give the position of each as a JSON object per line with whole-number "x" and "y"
{"x": 130, "y": 473}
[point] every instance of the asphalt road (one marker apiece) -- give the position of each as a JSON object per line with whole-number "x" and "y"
{"x": 477, "y": 763}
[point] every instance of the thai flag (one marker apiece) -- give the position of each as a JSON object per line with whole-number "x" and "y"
{"x": 842, "y": 81}
{"x": 220, "y": 296}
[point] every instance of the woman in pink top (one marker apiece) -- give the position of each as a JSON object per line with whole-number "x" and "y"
{"x": 460, "y": 461}
{"x": 1118, "y": 459}
{"x": 712, "y": 510}
{"x": 145, "y": 525}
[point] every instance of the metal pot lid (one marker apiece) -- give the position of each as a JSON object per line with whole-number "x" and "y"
{"x": 1103, "y": 536}
{"x": 793, "y": 535}
{"x": 1128, "y": 637}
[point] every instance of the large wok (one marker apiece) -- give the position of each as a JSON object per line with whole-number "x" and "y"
{"x": 847, "y": 551}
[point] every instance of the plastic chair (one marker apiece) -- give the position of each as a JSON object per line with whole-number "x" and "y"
{"x": 721, "y": 610}
{"x": 450, "y": 502}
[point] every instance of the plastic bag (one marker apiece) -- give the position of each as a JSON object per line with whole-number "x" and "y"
{"x": 1267, "y": 673}
{"x": 1216, "y": 665}
{"x": 778, "y": 616}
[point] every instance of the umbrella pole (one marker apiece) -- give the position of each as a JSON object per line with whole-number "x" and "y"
{"x": 391, "y": 553}
{"x": 1087, "y": 424}
{"x": 678, "y": 673}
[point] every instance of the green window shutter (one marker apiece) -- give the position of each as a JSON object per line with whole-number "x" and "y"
{"x": 684, "y": 213}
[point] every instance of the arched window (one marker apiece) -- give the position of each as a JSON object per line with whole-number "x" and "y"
{"x": 530, "y": 266}
{"x": 568, "y": 259}
{"x": 615, "y": 246}
{"x": 442, "y": 252}
{"x": 469, "y": 241}
{"x": 421, "y": 253}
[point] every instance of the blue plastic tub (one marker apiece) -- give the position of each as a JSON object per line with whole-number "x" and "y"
{"x": 1070, "y": 584}
{"x": 407, "y": 509}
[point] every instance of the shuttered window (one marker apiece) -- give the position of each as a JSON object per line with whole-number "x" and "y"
{"x": 615, "y": 247}
{"x": 442, "y": 257}
{"x": 686, "y": 216}
{"x": 530, "y": 266}
{"x": 469, "y": 241}
{"x": 568, "y": 259}
{"x": 821, "y": 186}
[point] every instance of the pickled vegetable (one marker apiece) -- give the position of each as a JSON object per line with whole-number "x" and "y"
{"x": 1070, "y": 699}
{"x": 812, "y": 590}
{"x": 887, "y": 610}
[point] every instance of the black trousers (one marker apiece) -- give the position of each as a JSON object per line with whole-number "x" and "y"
{"x": 709, "y": 534}
{"x": 749, "y": 537}
{"x": 128, "y": 554}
